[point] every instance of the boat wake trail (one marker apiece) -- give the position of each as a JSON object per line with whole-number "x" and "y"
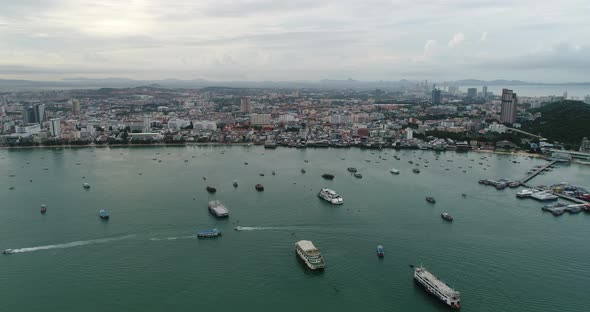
{"x": 262, "y": 228}
{"x": 72, "y": 244}
{"x": 171, "y": 238}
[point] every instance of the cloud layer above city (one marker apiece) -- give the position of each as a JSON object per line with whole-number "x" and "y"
{"x": 533, "y": 40}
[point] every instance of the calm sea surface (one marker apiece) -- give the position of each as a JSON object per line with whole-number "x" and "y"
{"x": 502, "y": 253}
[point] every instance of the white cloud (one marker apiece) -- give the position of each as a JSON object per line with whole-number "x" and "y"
{"x": 429, "y": 48}
{"x": 282, "y": 40}
{"x": 484, "y": 36}
{"x": 457, "y": 39}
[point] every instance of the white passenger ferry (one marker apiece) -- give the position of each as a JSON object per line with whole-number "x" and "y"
{"x": 330, "y": 196}
{"x": 310, "y": 255}
{"x": 438, "y": 288}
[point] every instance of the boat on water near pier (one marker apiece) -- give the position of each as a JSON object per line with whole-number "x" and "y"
{"x": 543, "y": 196}
{"x": 217, "y": 209}
{"x": 310, "y": 255}
{"x": 209, "y": 233}
{"x": 525, "y": 193}
{"x": 438, "y": 288}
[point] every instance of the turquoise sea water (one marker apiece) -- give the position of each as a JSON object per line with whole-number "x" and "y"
{"x": 501, "y": 253}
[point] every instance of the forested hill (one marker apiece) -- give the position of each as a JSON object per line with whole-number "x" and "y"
{"x": 566, "y": 122}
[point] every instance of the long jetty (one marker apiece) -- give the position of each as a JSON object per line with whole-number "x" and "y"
{"x": 537, "y": 172}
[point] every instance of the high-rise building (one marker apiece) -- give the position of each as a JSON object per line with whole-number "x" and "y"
{"x": 55, "y": 127}
{"x": 34, "y": 114}
{"x": 484, "y": 92}
{"x": 147, "y": 124}
{"x": 76, "y": 107}
{"x": 508, "y": 109}
{"x": 471, "y": 92}
{"x": 409, "y": 133}
{"x": 245, "y": 105}
{"x": 436, "y": 97}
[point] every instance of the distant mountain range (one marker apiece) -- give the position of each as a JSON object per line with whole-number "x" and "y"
{"x": 88, "y": 83}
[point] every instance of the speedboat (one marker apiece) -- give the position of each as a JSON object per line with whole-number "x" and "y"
{"x": 8, "y": 251}
{"x": 86, "y": 185}
{"x": 238, "y": 228}
{"x": 446, "y": 216}
{"x": 209, "y": 233}
{"x": 380, "y": 251}
{"x": 394, "y": 171}
{"x": 43, "y": 208}
{"x": 103, "y": 214}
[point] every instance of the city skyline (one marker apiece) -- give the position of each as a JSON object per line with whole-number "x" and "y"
{"x": 309, "y": 40}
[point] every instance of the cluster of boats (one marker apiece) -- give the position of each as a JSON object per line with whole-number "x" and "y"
{"x": 500, "y": 184}
{"x": 354, "y": 172}
{"x": 560, "y": 208}
{"x": 539, "y": 195}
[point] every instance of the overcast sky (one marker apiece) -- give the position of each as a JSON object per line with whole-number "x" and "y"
{"x": 533, "y": 40}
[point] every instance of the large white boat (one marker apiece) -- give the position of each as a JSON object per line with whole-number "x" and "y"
{"x": 330, "y": 196}
{"x": 525, "y": 193}
{"x": 438, "y": 288}
{"x": 394, "y": 171}
{"x": 543, "y": 196}
{"x": 218, "y": 209}
{"x": 310, "y": 255}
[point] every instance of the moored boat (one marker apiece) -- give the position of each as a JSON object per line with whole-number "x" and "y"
{"x": 43, "y": 208}
{"x": 328, "y": 176}
{"x": 86, "y": 185}
{"x": 103, "y": 214}
{"x": 211, "y": 189}
{"x": 416, "y": 170}
{"x": 302, "y": 170}
{"x": 438, "y": 288}
{"x": 310, "y": 255}
{"x": 446, "y": 216}
{"x": 235, "y": 183}
{"x": 358, "y": 175}
{"x": 430, "y": 199}
{"x": 209, "y": 233}
{"x": 380, "y": 251}
{"x": 259, "y": 187}
{"x": 394, "y": 171}
{"x": 217, "y": 209}
{"x": 351, "y": 169}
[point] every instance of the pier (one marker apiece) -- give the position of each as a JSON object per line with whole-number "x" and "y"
{"x": 537, "y": 172}
{"x": 560, "y": 195}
